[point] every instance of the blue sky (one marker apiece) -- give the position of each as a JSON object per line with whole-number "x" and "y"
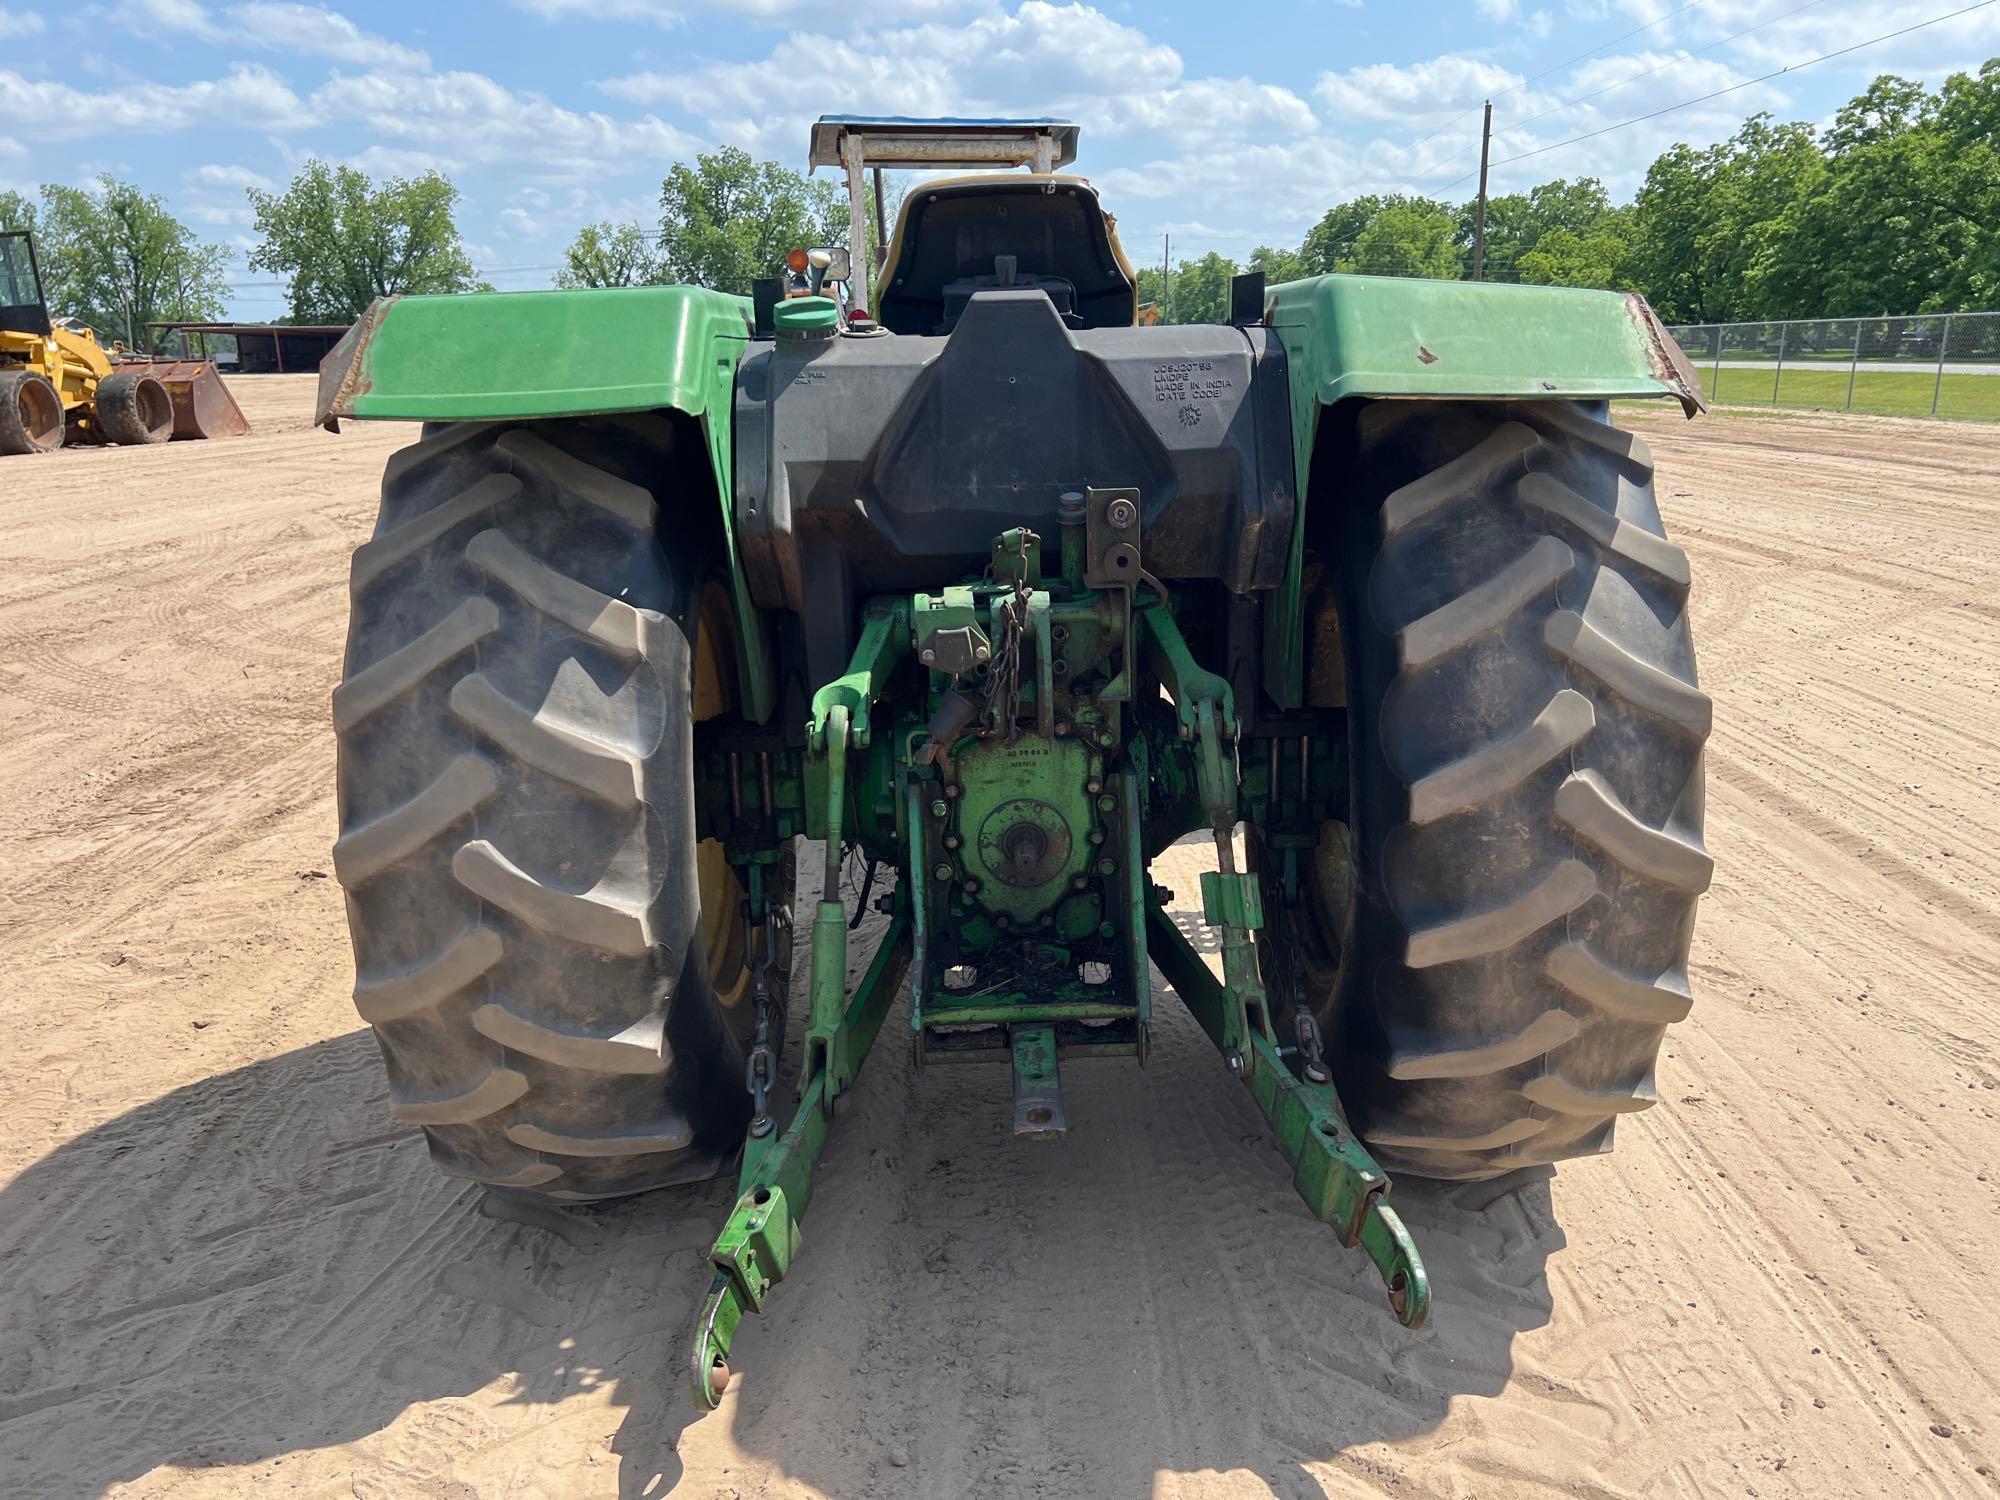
{"x": 1229, "y": 122}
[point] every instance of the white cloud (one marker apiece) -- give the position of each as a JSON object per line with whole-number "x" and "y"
{"x": 1418, "y": 95}
{"x": 1498, "y": 10}
{"x": 314, "y": 31}
{"x": 457, "y": 119}
{"x": 526, "y": 217}
{"x": 1043, "y": 52}
{"x": 1282, "y": 188}
{"x": 212, "y": 174}
{"x": 276, "y": 26}
{"x": 247, "y": 97}
{"x": 1210, "y": 107}
{"x": 1650, "y": 12}
{"x": 1960, "y": 43}
{"x": 216, "y": 193}
{"x": 675, "y": 12}
{"x": 1619, "y": 156}
{"x": 186, "y": 16}
{"x": 1287, "y": 185}
{"x": 1069, "y": 60}
{"x": 380, "y": 161}
{"x": 20, "y": 23}
{"x": 1622, "y": 87}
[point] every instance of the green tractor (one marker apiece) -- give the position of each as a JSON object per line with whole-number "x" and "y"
{"x": 975, "y": 579}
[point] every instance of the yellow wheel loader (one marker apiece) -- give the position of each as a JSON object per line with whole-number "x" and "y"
{"x": 58, "y": 383}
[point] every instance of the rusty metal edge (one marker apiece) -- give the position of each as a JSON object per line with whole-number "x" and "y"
{"x": 1670, "y": 363}
{"x": 345, "y": 364}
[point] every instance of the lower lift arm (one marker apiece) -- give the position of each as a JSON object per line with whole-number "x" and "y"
{"x": 1332, "y": 1170}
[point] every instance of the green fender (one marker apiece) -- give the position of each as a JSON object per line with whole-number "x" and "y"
{"x": 509, "y": 356}
{"x": 1386, "y": 336}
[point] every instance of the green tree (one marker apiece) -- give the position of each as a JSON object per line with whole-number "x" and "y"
{"x": 1411, "y": 237}
{"x": 115, "y": 257}
{"x": 1562, "y": 257}
{"x": 1278, "y": 265}
{"x": 17, "y": 211}
{"x": 1901, "y": 215}
{"x": 1517, "y": 222}
{"x": 1710, "y": 228}
{"x": 341, "y": 241}
{"x": 729, "y": 219}
{"x": 1381, "y": 234}
{"x": 1150, "y": 290}
{"x": 1331, "y": 241}
{"x": 1200, "y": 290}
{"x": 610, "y": 254}
{"x": 1969, "y": 120}
{"x": 1197, "y": 292}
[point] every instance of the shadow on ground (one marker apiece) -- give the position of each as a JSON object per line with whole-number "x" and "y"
{"x": 263, "y": 1263}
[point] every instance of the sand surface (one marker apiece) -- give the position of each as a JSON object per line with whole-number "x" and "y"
{"x": 225, "y": 1270}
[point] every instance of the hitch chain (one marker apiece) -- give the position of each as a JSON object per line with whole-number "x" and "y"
{"x": 1003, "y": 675}
{"x": 1305, "y": 1033}
{"x": 760, "y": 1067}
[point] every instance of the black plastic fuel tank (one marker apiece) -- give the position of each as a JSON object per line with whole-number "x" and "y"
{"x": 888, "y": 463}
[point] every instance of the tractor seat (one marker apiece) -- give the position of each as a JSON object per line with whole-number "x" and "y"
{"x": 962, "y": 235}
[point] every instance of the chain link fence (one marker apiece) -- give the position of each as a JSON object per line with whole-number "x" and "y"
{"x": 1925, "y": 365}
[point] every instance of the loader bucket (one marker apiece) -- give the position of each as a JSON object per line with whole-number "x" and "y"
{"x": 203, "y": 407}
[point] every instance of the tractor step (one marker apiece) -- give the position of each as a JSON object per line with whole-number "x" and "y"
{"x": 1038, "y": 1105}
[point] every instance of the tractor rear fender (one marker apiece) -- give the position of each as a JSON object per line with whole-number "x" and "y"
{"x": 1361, "y": 337}
{"x": 522, "y": 356}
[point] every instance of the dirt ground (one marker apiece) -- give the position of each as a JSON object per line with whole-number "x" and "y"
{"x": 225, "y": 1270}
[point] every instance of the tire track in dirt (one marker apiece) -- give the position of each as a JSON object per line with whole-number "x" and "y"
{"x": 1815, "y": 1314}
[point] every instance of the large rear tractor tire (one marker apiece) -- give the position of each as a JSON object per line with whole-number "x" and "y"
{"x": 31, "y": 413}
{"x": 1498, "y": 937}
{"x": 134, "y": 409}
{"x": 554, "y": 971}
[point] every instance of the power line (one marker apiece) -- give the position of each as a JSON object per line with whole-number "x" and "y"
{"x": 1580, "y": 57}
{"x": 1669, "y": 63}
{"x": 1733, "y": 88}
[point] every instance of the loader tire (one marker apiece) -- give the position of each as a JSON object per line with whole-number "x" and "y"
{"x": 554, "y": 969}
{"x": 134, "y": 410}
{"x": 31, "y": 413}
{"x": 1498, "y": 938}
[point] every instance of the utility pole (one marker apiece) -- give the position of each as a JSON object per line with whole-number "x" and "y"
{"x": 1166, "y": 270}
{"x": 1479, "y": 215}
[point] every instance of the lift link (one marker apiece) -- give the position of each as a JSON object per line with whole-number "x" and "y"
{"x": 840, "y": 714}
{"x": 1341, "y": 1183}
{"x": 761, "y": 1235}
{"x": 1230, "y": 898}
